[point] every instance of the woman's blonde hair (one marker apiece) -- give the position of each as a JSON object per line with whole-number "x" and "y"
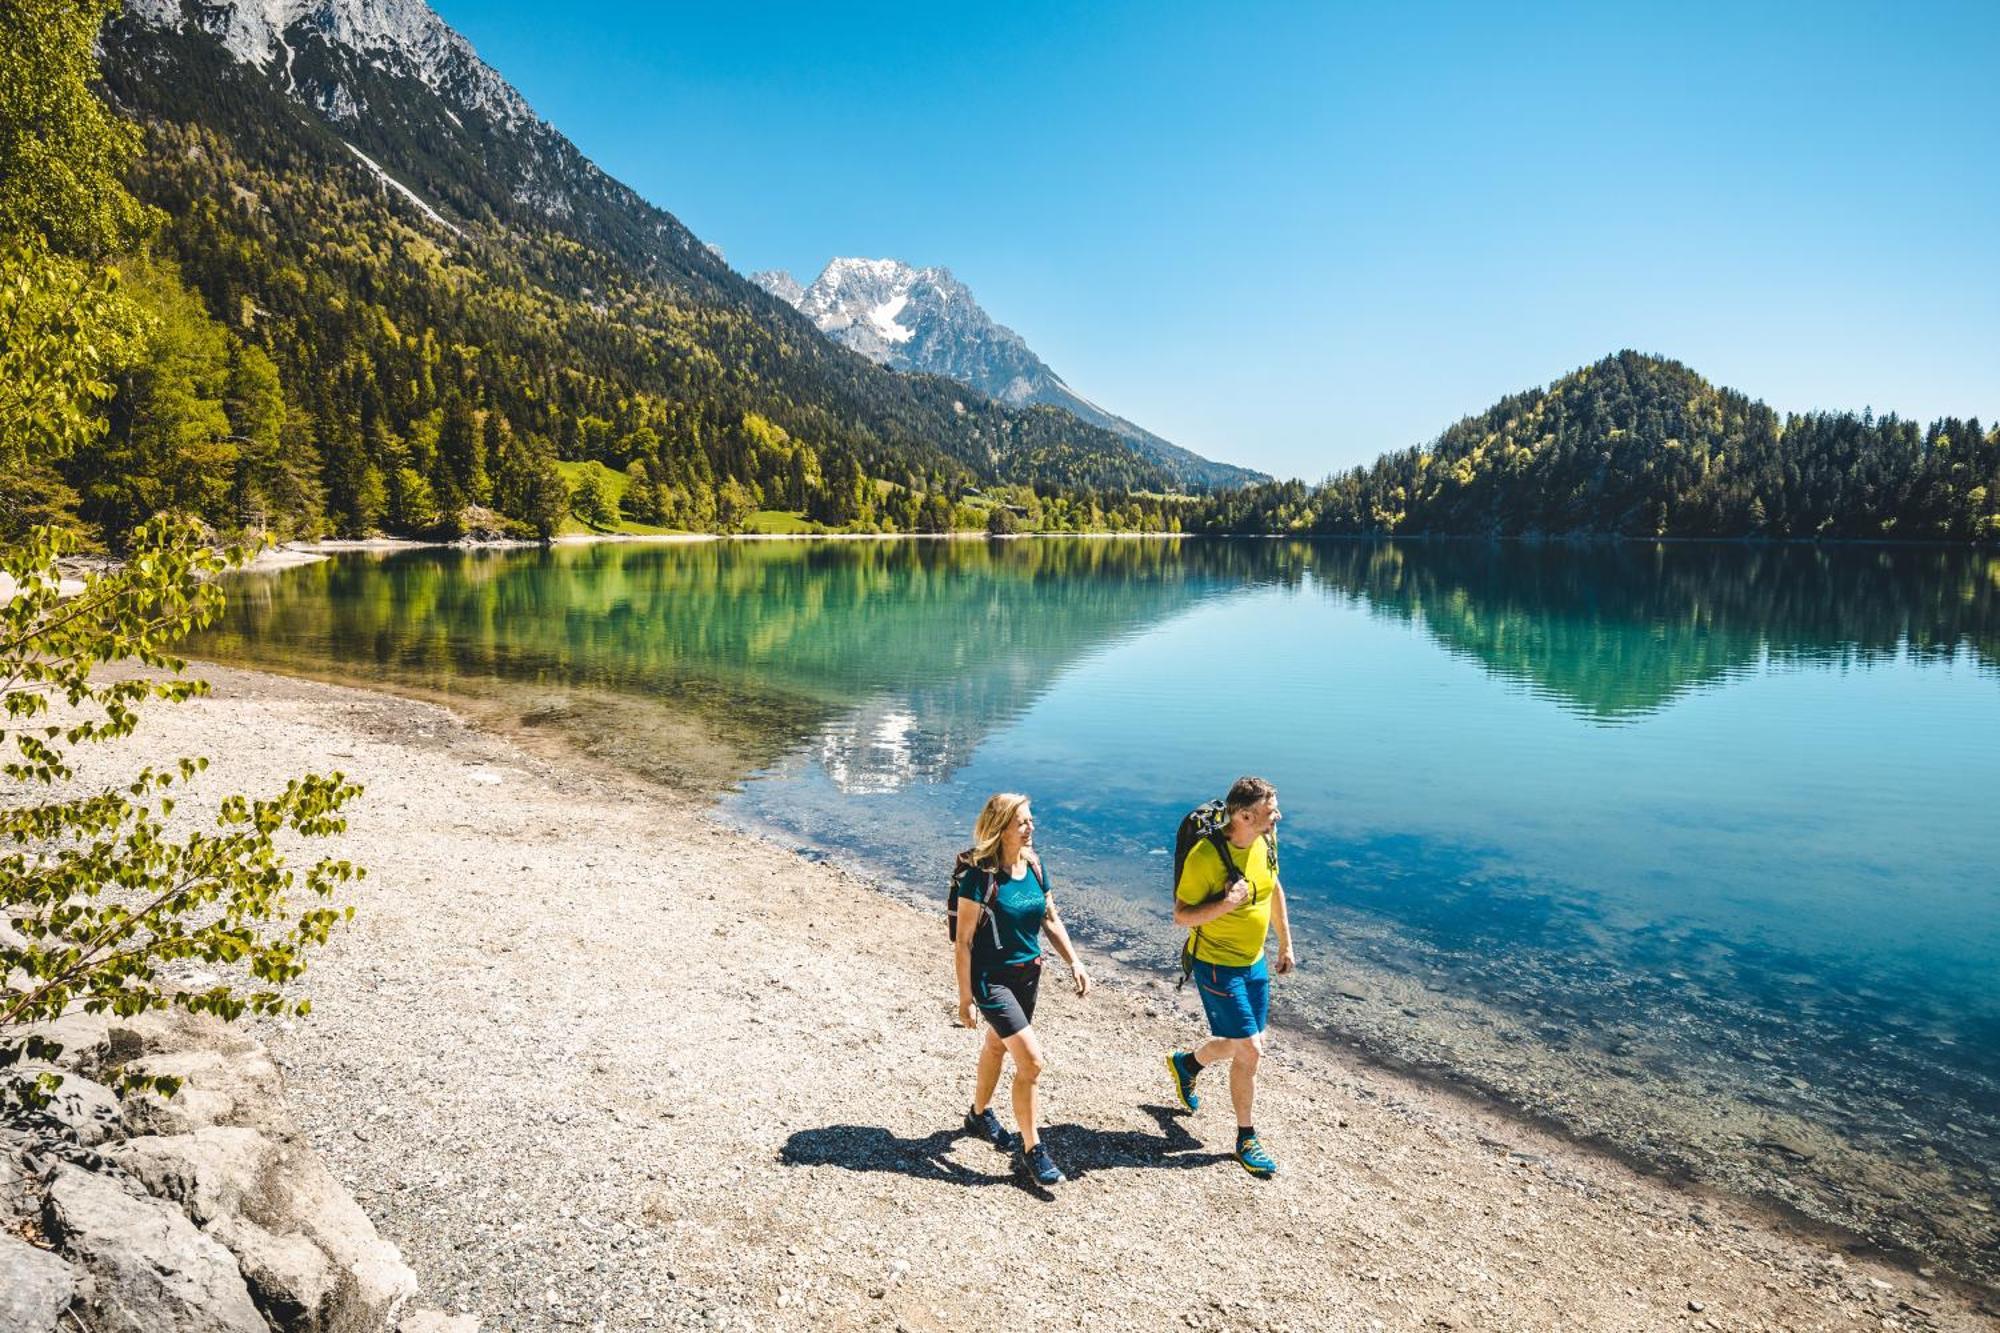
{"x": 999, "y": 814}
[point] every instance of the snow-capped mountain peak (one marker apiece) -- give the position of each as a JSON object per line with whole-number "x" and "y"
{"x": 924, "y": 319}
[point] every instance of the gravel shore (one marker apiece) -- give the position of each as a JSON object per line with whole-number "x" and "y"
{"x": 594, "y": 1062}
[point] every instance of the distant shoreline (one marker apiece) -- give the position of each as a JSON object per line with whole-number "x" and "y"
{"x": 290, "y": 554}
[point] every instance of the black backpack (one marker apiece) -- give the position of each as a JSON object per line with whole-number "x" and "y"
{"x": 959, "y": 870}
{"x": 1208, "y": 822}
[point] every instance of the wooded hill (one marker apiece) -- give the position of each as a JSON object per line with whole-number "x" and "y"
{"x": 1639, "y": 446}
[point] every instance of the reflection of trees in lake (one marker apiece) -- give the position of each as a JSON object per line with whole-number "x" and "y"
{"x": 897, "y": 657}
{"x": 1618, "y": 631}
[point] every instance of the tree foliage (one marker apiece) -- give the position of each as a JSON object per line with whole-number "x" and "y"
{"x": 102, "y": 898}
{"x": 101, "y": 894}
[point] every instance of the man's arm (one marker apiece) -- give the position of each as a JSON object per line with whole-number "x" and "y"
{"x": 1188, "y": 916}
{"x": 1281, "y": 921}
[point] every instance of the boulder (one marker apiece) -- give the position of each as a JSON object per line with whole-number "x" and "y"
{"x": 209, "y": 1173}
{"x": 238, "y": 1087}
{"x": 152, "y": 1271}
{"x": 85, "y": 1038}
{"x": 19, "y": 1196}
{"x": 35, "y": 1287}
{"x": 174, "y": 1030}
{"x": 81, "y": 1109}
{"x": 304, "y": 1199}
{"x": 291, "y": 1279}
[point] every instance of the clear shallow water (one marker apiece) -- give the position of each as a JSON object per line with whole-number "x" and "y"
{"x": 1690, "y": 848}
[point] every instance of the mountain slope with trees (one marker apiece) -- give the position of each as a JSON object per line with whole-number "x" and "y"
{"x": 382, "y": 296}
{"x": 1640, "y": 446}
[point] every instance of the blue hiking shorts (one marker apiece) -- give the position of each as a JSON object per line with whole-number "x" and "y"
{"x": 1237, "y": 999}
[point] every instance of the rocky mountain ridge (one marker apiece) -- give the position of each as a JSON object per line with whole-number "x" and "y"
{"x": 923, "y": 319}
{"x": 585, "y": 299}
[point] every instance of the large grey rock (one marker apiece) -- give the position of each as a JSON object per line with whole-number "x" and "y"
{"x": 173, "y": 1030}
{"x": 151, "y": 1270}
{"x": 83, "y": 1109}
{"x": 304, "y": 1199}
{"x": 238, "y": 1087}
{"x": 35, "y": 1287}
{"x": 85, "y": 1038}
{"x": 210, "y": 1173}
{"x": 291, "y": 1279}
{"x": 311, "y": 1256}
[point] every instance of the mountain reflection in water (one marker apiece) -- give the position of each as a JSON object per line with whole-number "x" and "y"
{"x": 1687, "y": 847}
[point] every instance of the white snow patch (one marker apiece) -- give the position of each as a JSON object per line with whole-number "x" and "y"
{"x": 883, "y": 317}
{"x": 402, "y": 189}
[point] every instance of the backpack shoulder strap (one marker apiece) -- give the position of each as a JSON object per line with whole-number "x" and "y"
{"x": 1231, "y": 872}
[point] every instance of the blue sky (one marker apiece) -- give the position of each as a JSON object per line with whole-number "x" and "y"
{"x": 1295, "y": 236}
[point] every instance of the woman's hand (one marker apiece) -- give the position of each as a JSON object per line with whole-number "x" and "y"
{"x": 1080, "y": 977}
{"x": 1287, "y": 960}
{"x": 966, "y": 1018}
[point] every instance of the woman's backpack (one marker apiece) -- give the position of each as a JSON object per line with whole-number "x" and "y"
{"x": 964, "y": 866}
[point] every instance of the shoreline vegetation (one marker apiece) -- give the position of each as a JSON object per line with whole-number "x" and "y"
{"x": 757, "y": 1158}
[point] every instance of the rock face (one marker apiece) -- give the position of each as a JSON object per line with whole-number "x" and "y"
{"x": 153, "y": 1271}
{"x": 35, "y": 1287}
{"x": 204, "y": 1211}
{"x": 926, "y": 320}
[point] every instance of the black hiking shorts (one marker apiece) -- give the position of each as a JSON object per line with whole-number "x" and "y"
{"x": 1006, "y": 996}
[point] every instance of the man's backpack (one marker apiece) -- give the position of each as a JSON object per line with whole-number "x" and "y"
{"x": 1208, "y": 822}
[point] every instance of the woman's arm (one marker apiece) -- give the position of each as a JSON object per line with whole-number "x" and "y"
{"x": 969, "y": 913}
{"x": 1052, "y": 925}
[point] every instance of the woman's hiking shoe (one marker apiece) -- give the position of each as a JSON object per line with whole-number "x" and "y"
{"x": 985, "y": 1125}
{"x": 1254, "y": 1159}
{"x": 1182, "y": 1069}
{"x": 1038, "y": 1166}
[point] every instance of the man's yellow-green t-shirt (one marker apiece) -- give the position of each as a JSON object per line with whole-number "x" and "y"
{"x": 1235, "y": 939}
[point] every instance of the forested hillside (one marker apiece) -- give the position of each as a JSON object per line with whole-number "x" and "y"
{"x": 326, "y": 347}
{"x": 1637, "y": 446}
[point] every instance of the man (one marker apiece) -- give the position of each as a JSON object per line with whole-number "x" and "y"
{"x": 1231, "y": 909}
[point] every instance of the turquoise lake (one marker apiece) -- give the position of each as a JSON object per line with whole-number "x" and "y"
{"x": 1689, "y": 849}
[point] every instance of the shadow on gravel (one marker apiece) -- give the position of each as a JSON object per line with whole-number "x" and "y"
{"x": 1076, "y": 1148}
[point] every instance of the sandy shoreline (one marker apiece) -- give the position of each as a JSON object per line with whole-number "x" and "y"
{"x": 594, "y": 1061}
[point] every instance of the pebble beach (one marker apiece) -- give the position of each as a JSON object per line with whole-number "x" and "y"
{"x": 593, "y": 1060}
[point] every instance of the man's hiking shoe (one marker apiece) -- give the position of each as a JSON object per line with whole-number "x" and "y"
{"x": 1037, "y": 1165}
{"x": 1182, "y": 1069}
{"x": 1255, "y": 1160}
{"x": 985, "y": 1125}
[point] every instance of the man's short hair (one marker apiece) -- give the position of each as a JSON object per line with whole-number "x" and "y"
{"x": 1247, "y": 792}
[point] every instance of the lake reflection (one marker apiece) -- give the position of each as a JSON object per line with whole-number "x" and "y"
{"x": 1688, "y": 847}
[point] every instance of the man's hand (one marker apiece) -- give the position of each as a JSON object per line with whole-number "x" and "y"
{"x": 1239, "y": 893}
{"x": 966, "y": 1018}
{"x": 1287, "y": 960}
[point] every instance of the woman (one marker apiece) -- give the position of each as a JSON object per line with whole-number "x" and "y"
{"x": 1003, "y": 906}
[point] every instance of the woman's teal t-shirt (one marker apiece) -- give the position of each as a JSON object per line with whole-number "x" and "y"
{"x": 1017, "y": 910}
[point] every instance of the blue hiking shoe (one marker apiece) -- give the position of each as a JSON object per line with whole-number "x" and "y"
{"x": 1038, "y": 1166}
{"x": 1254, "y": 1159}
{"x": 1182, "y": 1069}
{"x": 985, "y": 1125}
